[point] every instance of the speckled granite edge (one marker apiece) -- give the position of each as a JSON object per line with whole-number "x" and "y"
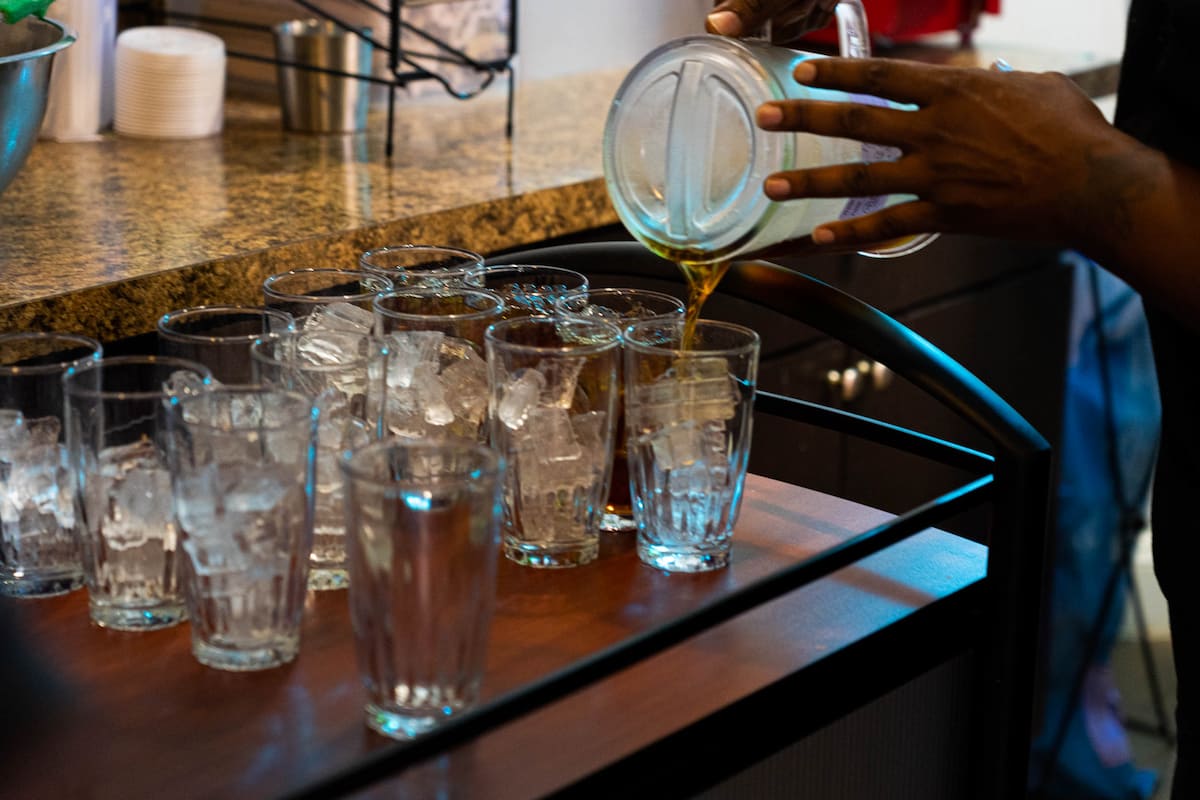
{"x": 127, "y": 308}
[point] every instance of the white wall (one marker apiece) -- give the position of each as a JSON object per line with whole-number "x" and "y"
{"x": 558, "y": 37}
{"x": 1093, "y": 26}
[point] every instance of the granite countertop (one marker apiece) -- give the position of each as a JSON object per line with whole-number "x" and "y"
{"x": 104, "y": 237}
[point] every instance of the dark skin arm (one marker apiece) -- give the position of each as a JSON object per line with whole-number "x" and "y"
{"x": 1010, "y": 154}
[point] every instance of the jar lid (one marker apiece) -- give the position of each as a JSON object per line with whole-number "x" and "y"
{"x": 683, "y": 160}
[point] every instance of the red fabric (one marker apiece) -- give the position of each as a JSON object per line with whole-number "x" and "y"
{"x": 905, "y": 20}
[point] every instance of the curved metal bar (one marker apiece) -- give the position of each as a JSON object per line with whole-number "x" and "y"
{"x": 894, "y": 436}
{"x": 1018, "y": 548}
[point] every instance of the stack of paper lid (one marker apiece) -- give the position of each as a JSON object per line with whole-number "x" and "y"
{"x": 170, "y": 82}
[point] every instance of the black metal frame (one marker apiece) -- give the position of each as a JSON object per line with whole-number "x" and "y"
{"x": 1016, "y": 480}
{"x": 399, "y": 58}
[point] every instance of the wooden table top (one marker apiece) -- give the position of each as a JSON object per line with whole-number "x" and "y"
{"x": 126, "y": 715}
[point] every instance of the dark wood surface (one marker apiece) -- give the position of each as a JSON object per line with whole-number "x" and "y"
{"x": 121, "y": 715}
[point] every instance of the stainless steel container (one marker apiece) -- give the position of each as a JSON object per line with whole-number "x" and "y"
{"x": 27, "y": 51}
{"x": 317, "y": 102}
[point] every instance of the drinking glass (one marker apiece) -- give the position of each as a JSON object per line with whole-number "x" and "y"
{"x": 242, "y": 461}
{"x": 553, "y": 394}
{"x": 332, "y": 368}
{"x": 530, "y": 289}
{"x": 424, "y": 531}
{"x": 219, "y": 337}
{"x": 687, "y": 417}
{"x": 621, "y": 307}
{"x": 422, "y": 265}
{"x": 116, "y": 419}
{"x": 437, "y": 379}
{"x": 39, "y": 553}
{"x": 326, "y": 299}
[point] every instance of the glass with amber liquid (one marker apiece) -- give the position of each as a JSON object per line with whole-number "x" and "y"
{"x": 622, "y": 307}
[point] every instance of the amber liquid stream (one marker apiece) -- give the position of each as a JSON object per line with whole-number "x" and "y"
{"x": 702, "y": 280}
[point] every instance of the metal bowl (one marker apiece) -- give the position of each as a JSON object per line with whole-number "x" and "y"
{"x": 27, "y": 51}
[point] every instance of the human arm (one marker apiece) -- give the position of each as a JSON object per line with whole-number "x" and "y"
{"x": 1012, "y": 154}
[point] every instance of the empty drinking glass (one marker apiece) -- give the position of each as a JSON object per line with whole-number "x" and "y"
{"x": 553, "y": 390}
{"x": 326, "y": 299}
{"x": 116, "y": 421}
{"x": 437, "y": 378}
{"x": 242, "y": 462}
{"x": 687, "y": 416}
{"x": 422, "y": 265}
{"x": 333, "y": 369}
{"x": 620, "y": 307}
{"x": 39, "y": 552}
{"x": 219, "y": 337}
{"x": 529, "y": 289}
{"x": 423, "y": 522}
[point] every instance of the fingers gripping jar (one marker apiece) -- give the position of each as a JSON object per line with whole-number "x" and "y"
{"x": 684, "y": 161}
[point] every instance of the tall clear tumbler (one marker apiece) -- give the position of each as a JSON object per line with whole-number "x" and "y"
{"x": 334, "y": 369}
{"x": 116, "y": 421}
{"x": 553, "y": 394}
{"x": 621, "y": 307}
{"x": 242, "y": 461}
{"x": 39, "y": 553}
{"x": 424, "y": 533}
{"x": 687, "y": 419}
{"x": 424, "y": 265}
{"x": 326, "y": 298}
{"x": 531, "y": 289}
{"x": 437, "y": 378}
{"x": 219, "y": 337}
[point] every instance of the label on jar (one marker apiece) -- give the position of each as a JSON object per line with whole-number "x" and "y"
{"x": 871, "y": 153}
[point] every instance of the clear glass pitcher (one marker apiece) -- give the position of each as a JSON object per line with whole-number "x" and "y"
{"x": 685, "y": 163}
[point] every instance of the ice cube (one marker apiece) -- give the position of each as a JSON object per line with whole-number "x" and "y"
{"x": 327, "y": 348}
{"x": 562, "y": 376}
{"x": 407, "y": 349}
{"x": 183, "y": 383}
{"x": 696, "y": 388}
{"x": 549, "y": 455}
{"x": 687, "y": 442}
{"x": 465, "y": 383}
{"x": 340, "y": 317}
{"x": 12, "y": 431}
{"x": 432, "y": 397}
{"x": 518, "y": 396}
{"x": 139, "y": 505}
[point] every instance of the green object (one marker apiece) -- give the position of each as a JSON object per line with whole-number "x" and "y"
{"x": 15, "y": 10}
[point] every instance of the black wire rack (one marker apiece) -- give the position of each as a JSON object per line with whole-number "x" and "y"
{"x": 405, "y": 64}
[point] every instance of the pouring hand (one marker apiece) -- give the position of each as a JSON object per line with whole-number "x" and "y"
{"x": 1017, "y": 154}
{"x": 789, "y": 18}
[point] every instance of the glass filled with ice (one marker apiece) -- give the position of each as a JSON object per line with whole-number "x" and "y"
{"x": 242, "y": 463}
{"x": 39, "y": 554}
{"x": 219, "y": 337}
{"x": 116, "y": 421}
{"x": 332, "y": 367}
{"x": 424, "y": 265}
{"x": 424, "y": 535}
{"x": 553, "y": 397}
{"x": 334, "y": 298}
{"x": 436, "y": 374}
{"x": 687, "y": 419}
{"x": 620, "y": 306}
{"x": 531, "y": 289}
